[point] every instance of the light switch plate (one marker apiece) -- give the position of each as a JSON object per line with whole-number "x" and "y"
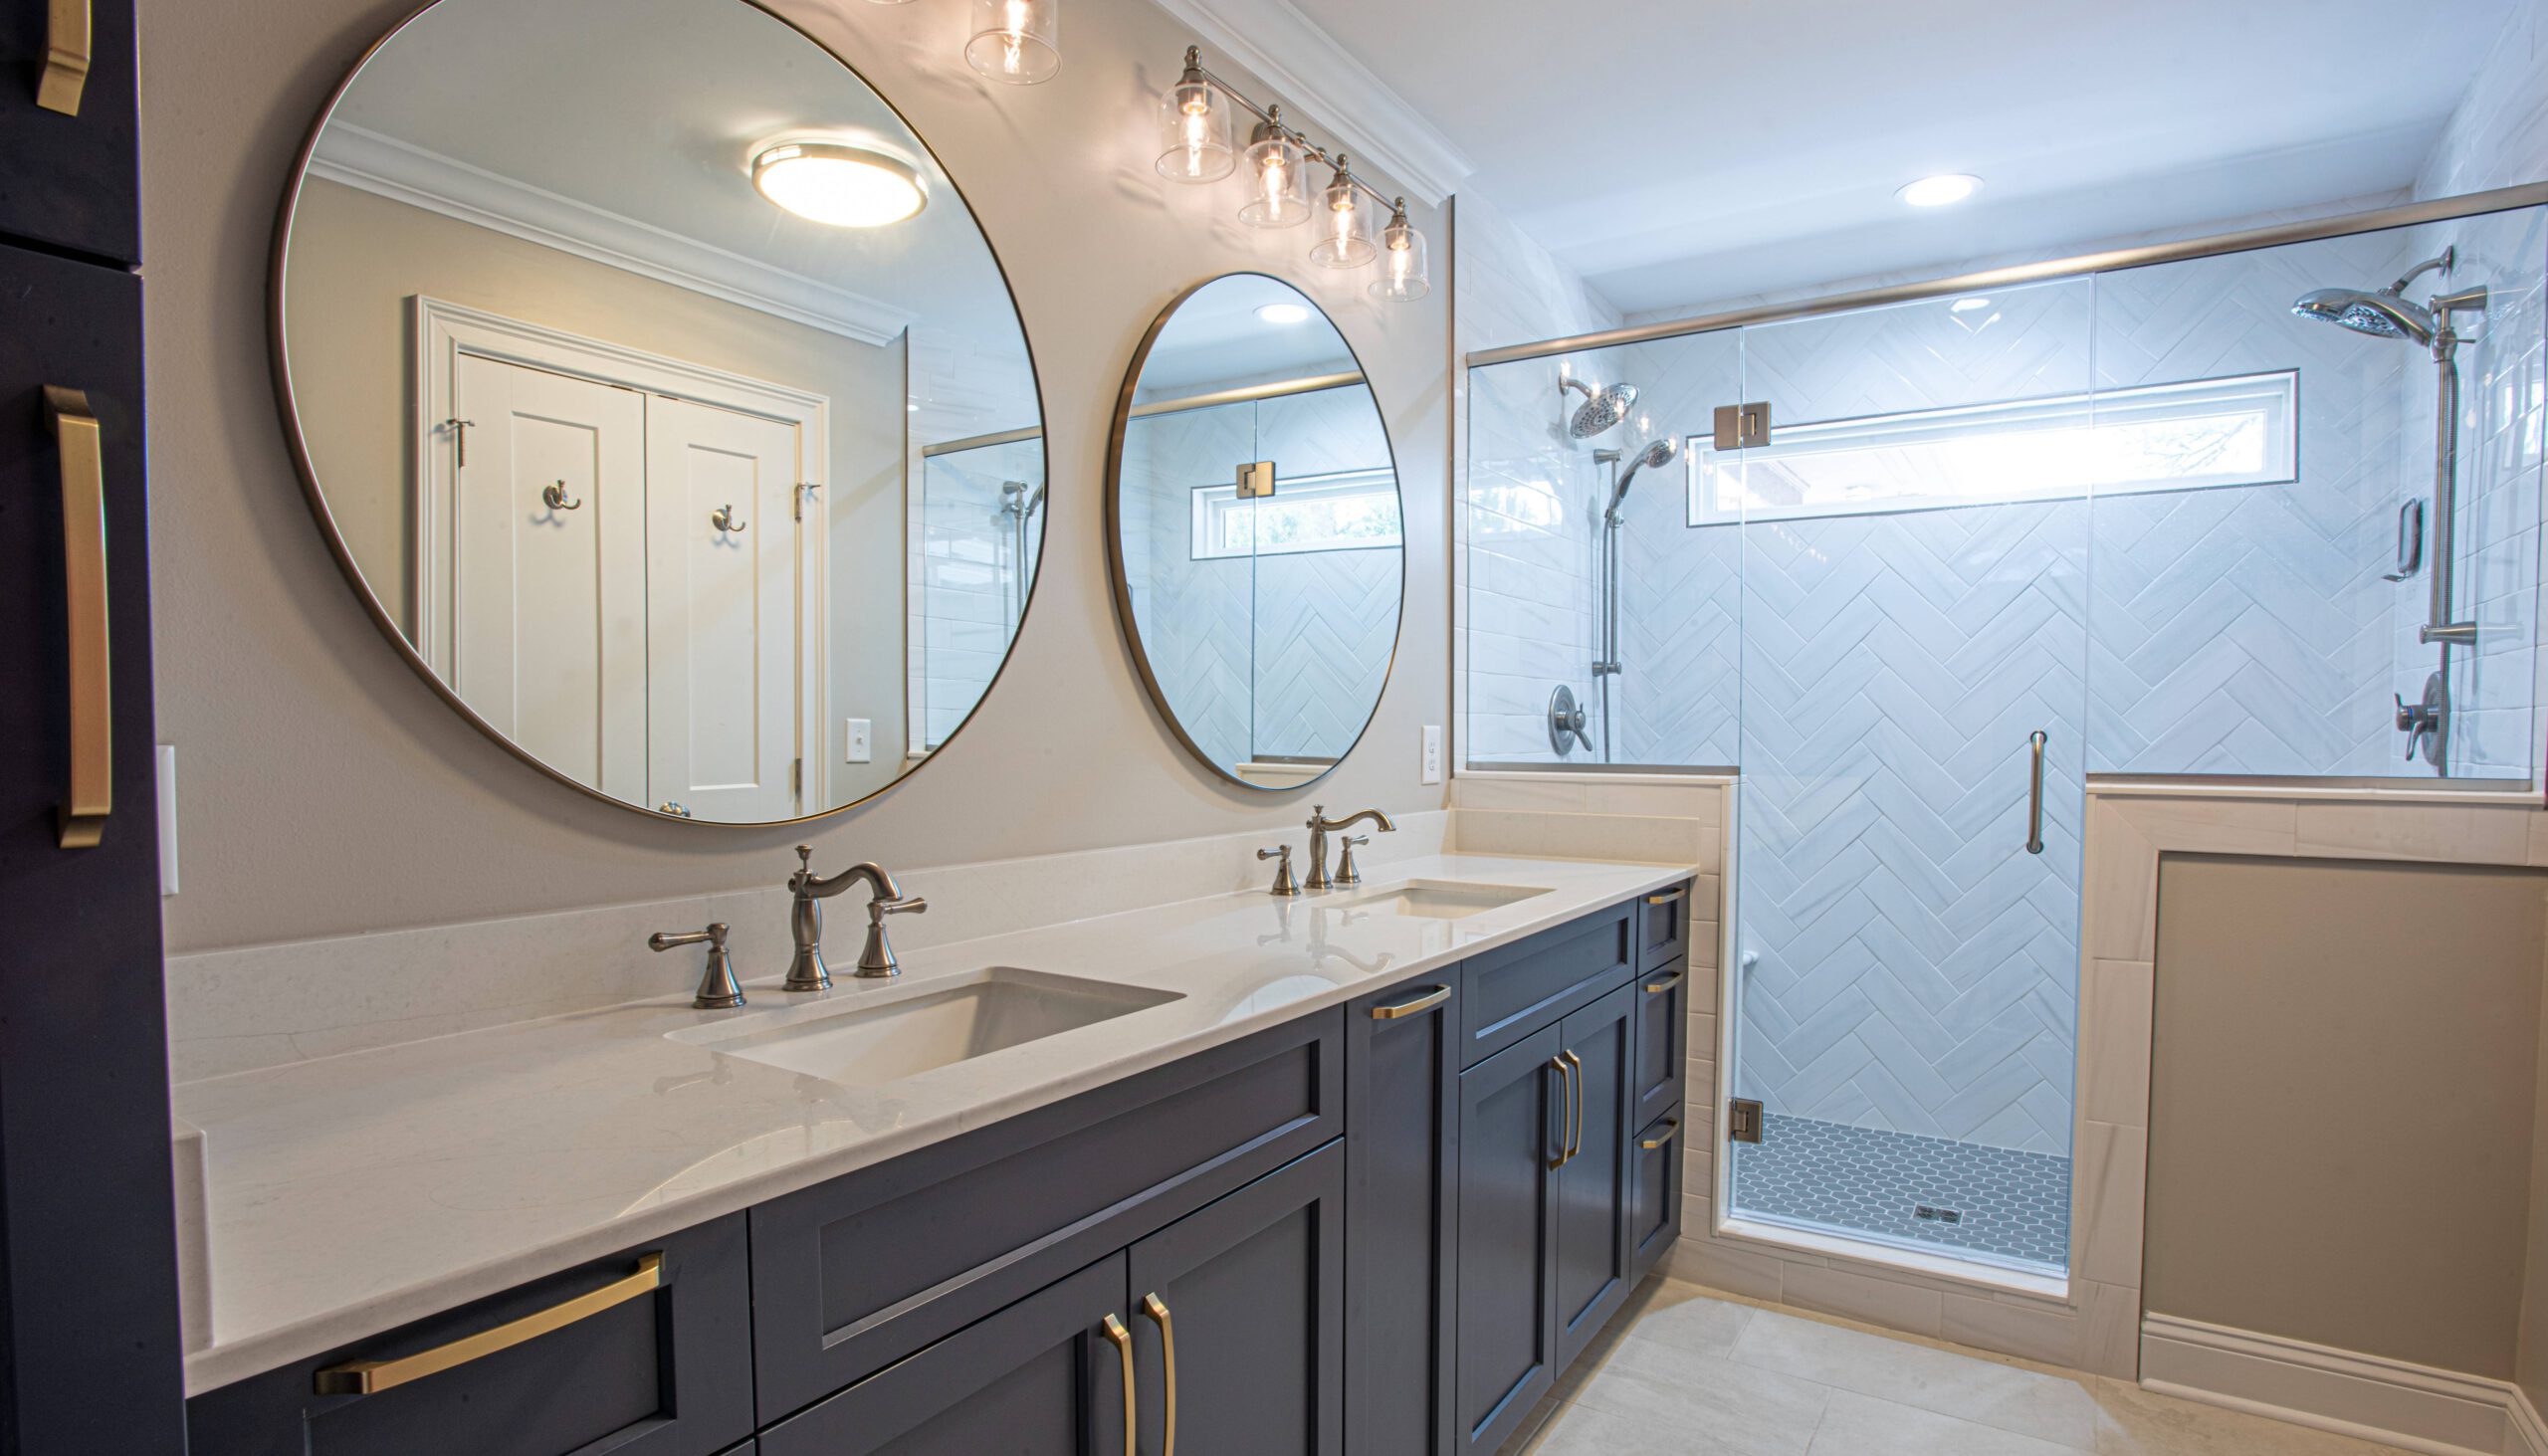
{"x": 1433, "y": 752}
{"x": 858, "y": 744}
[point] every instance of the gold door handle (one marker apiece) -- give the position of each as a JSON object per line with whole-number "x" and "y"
{"x": 1564, "y": 1080}
{"x": 1671, "y": 1130}
{"x": 1417, "y": 1007}
{"x": 1121, "y": 1340}
{"x": 1667, "y": 983}
{"x": 372, "y": 1376}
{"x": 1153, "y": 1307}
{"x": 82, "y": 819}
{"x": 1574, "y": 1139}
{"x": 68, "y": 43}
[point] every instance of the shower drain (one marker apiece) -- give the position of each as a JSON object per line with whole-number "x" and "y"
{"x": 1941, "y": 1215}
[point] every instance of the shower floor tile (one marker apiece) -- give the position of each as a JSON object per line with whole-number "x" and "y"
{"x": 2012, "y": 1206}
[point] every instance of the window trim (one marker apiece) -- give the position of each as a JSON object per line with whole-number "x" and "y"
{"x": 1203, "y": 513}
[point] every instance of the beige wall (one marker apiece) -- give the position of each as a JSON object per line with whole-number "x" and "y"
{"x": 2344, "y": 1078}
{"x": 324, "y": 790}
{"x": 2530, "y": 1355}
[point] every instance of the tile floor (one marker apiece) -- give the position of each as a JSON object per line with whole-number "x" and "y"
{"x": 1868, "y": 1180}
{"x": 1686, "y": 1371}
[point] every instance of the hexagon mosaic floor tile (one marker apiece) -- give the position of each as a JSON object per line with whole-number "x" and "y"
{"x": 2009, "y": 1204}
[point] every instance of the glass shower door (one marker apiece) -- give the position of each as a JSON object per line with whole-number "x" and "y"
{"x": 1914, "y": 574}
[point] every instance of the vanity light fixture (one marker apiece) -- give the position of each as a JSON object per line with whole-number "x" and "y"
{"x": 843, "y": 186}
{"x": 1349, "y": 234}
{"x": 1016, "y": 42}
{"x": 1942, "y": 190}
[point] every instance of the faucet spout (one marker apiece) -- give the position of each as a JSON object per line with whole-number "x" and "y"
{"x": 1319, "y": 826}
{"x": 806, "y": 970}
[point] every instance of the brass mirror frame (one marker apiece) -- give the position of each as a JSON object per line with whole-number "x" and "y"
{"x": 286, "y": 406}
{"x": 1114, "y": 567}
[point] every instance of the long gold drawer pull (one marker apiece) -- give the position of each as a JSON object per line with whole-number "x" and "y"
{"x": 67, "y": 45}
{"x": 1417, "y": 1007}
{"x": 1671, "y": 1130}
{"x": 82, "y": 819}
{"x": 1575, "y": 1138}
{"x": 1668, "y": 897}
{"x": 372, "y": 1376}
{"x": 1669, "y": 983}
{"x": 1156, "y": 1309}
{"x": 1121, "y": 1340}
{"x": 1565, "y": 1084}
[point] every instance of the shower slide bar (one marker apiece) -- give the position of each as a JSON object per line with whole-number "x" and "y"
{"x": 2441, "y": 209}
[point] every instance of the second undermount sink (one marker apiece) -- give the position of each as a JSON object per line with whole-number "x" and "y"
{"x": 885, "y": 1034}
{"x": 1439, "y": 899}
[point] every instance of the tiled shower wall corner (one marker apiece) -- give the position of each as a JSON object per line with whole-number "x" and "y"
{"x": 966, "y": 581}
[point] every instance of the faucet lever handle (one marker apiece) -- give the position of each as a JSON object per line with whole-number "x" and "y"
{"x": 1284, "y": 883}
{"x": 909, "y": 905}
{"x": 718, "y": 989}
{"x": 714, "y": 938}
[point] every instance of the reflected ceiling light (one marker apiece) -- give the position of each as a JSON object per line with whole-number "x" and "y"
{"x": 1016, "y": 42}
{"x": 843, "y": 186}
{"x": 1284, "y": 314}
{"x": 1940, "y": 190}
{"x": 1967, "y": 305}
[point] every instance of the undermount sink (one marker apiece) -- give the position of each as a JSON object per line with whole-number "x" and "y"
{"x": 885, "y": 1034}
{"x": 1439, "y": 899}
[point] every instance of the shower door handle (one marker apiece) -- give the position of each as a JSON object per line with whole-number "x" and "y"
{"x": 2034, "y": 792}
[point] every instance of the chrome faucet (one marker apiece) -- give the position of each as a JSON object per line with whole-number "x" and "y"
{"x": 1320, "y": 824}
{"x": 806, "y": 971}
{"x": 718, "y": 990}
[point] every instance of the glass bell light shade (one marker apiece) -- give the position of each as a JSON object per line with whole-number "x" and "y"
{"x": 1278, "y": 177}
{"x": 1403, "y": 278}
{"x": 1345, "y": 227}
{"x": 1017, "y": 41}
{"x": 1195, "y": 132}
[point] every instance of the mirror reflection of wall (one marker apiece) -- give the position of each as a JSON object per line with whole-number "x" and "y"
{"x": 620, "y": 380}
{"x": 1257, "y": 533}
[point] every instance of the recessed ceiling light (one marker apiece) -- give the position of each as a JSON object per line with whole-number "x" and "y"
{"x": 1284, "y": 313}
{"x": 844, "y": 186}
{"x": 1967, "y": 305}
{"x": 1939, "y": 191}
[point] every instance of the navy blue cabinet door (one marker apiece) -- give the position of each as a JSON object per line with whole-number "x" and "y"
{"x": 69, "y": 180}
{"x": 1045, "y": 1376}
{"x": 1511, "y": 1135}
{"x": 1592, "y": 1190}
{"x": 1401, "y": 1173}
{"x": 1249, "y": 1294}
{"x": 87, "y": 1263}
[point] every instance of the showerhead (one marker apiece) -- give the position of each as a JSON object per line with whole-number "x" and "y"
{"x": 2382, "y": 315}
{"x": 1655, "y": 454}
{"x": 1602, "y": 409}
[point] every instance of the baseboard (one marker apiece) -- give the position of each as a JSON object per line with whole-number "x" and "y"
{"x": 2367, "y": 1397}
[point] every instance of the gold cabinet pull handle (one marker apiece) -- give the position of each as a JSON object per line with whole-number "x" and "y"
{"x": 1417, "y": 1007}
{"x": 1156, "y": 1309}
{"x": 1667, "y": 983}
{"x": 1575, "y": 1138}
{"x": 1671, "y": 1130}
{"x": 67, "y": 45}
{"x": 82, "y": 819}
{"x": 1564, "y": 1080}
{"x": 1668, "y": 897}
{"x": 1121, "y": 1340}
{"x": 372, "y": 1376}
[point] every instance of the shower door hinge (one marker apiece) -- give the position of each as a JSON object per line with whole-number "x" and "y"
{"x": 1742, "y": 426}
{"x": 1256, "y": 479}
{"x": 1741, "y": 1119}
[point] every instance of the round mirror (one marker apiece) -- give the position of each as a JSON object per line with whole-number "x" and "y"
{"x": 1254, "y": 525}
{"x": 657, "y": 389}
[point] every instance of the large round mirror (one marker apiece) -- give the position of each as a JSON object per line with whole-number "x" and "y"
{"x": 1254, "y": 524}
{"x": 659, "y": 392}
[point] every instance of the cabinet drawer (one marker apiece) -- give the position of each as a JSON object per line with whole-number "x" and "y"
{"x": 1654, "y": 1195}
{"x": 857, "y": 1273}
{"x": 1662, "y": 1040}
{"x": 1663, "y": 926}
{"x": 1515, "y": 992}
{"x": 665, "y": 1371}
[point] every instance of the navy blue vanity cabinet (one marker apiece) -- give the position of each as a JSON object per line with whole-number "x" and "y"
{"x": 1238, "y": 1318}
{"x": 1663, "y": 926}
{"x": 70, "y": 165}
{"x": 1514, "y": 1119}
{"x": 1514, "y": 991}
{"x": 1403, "y": 1178}
{"x": 647, "y": 1352}
{"x": 1662, "y": 1040}
{"x": 1591, "y": 1248}
{"x": 1049, "y": 1375}
{"x": 852, "y": 1275}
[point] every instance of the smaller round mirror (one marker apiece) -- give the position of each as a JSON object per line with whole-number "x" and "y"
{"x": 1254, "y": 524}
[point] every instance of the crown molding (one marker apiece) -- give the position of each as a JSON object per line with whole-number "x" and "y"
{"x": 403, "y": 172}
{"x": 1297, "y": 56}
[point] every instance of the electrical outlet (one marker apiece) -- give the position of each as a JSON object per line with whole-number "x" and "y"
{"x": 858, "y": 744}
{"x": 1433, "y": 752}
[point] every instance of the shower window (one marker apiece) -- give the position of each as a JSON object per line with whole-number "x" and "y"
{"x": 1340, "y": 511}
{"x": 2240, "y": 431}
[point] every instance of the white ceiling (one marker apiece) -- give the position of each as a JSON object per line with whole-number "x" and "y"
{"x": 1216, "y": 341}
{"x": 1680, "y": 152}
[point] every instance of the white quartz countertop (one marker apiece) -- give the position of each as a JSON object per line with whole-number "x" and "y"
{"x": 351, "y": 1194}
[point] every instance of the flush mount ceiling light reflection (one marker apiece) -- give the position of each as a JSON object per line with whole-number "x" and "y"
{"x": 1284, "y": 314}
{"x": 1945, "y": 189}
{"x": 1967, "y": 305}
{"x": 842, "y": 186}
